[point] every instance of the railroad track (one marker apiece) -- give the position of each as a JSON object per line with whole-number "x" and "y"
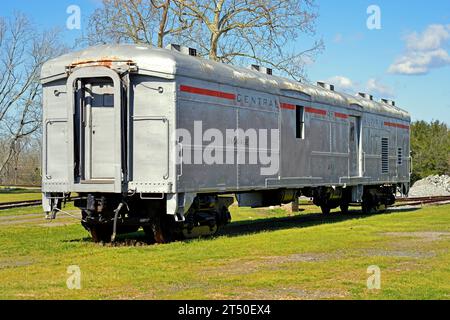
{"x": 421, "y": 200}
{"x": 399, "y": 202}
{"x": 20, "y": 204}
{"x": 24, "y": 204}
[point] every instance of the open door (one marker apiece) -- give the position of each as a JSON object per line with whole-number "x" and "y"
{"x": 97, "y": 128}
{"x": 354, "y": 147}
{"x": 99, "y": 125}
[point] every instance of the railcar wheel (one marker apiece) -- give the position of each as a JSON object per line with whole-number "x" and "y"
{"x": 162, "y": 229}
{"x": 149, "y": 235}
{"x": 381, "y": 208}
{"x": 325, "y": 210}
{"x": 368, "y": 208}
{"x": 344, "y": 208}
{"x": 101, "y": 233}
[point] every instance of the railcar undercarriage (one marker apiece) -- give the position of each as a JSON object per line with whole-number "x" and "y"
{"x": 373, "y": 199}
{"x": 106, "y": 216}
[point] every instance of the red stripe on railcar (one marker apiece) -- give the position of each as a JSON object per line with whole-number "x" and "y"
{"x": 316, "y": 111}
{"x": 396, "y": 125}
{"x": 341, "y": 115}
{"x": 207, "y": 92}
{"x": 288, "y": 106}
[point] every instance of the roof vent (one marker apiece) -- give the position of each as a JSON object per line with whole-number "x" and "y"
{"x": 325, "y": 85}
{"x": 182, "y": 49}
{"x": 255, "y": 67}
{"x": 389, "y": 102}
{"x": 365, "y": 95}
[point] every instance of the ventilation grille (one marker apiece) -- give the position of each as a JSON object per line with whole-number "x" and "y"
{"x": 384, "y": 155}
{"x": 400, "y": 156}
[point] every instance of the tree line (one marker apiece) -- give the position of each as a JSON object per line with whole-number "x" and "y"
{"x": 430, "y": 149}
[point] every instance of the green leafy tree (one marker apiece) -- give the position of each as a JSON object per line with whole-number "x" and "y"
{"x": 430, "y": 146}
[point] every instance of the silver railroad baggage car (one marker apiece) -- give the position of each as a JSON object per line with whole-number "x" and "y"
{"x": 156, "y": 138}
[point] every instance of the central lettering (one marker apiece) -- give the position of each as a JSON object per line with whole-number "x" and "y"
{"x": 254, "y": 101}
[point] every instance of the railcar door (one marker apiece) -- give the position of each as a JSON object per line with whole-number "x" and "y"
{"x": 99, "y": 124}
{"x": 354, "y": 147}
{"x": 97, "y": 129}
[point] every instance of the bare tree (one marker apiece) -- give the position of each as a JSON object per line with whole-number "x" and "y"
{"x": 265, "y": 32}
{"x": 135, "y": 21}
{"x": 241, "y": 32}
{"x": 23, "y": 50}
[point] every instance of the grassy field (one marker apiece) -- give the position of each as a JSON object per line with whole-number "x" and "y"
{"x": 16, "y": 195}
{"x": 264, "y": 254}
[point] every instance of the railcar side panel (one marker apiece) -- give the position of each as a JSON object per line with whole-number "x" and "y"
{"x": 253, "y": 153}
{"x": 200, "y": 111}
{"x": 152, "y": 162}
{"x": 386, "y": 149}
{"x": 55, "y": 137}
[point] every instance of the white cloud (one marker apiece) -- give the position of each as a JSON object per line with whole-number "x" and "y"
{"x": 416, "y": 63}
{"x": 424, "y": 51}
{"x": 342, "y": 83}
{"x": 372, "y": 86}
{"x": 431, "y": 39}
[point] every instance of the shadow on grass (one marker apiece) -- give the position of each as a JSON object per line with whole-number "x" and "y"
{"x": 297, "y": 221}
{"x": 241, "y": 228}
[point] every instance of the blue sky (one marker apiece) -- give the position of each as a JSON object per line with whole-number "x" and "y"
{"x": 359, "y": 54}
{"x": 405, "y": 60}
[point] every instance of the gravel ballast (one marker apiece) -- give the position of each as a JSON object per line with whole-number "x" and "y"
{"x": 431, "y": 186}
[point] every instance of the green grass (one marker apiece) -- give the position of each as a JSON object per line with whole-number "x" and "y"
{"x": 265, "y": 254}
{"x": 16, "y": 195}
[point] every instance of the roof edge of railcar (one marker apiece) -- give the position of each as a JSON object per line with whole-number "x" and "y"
{"x": 168, "y": 63}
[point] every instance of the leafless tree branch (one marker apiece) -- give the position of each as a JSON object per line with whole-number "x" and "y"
{"x": 277, "y": 33}
{"x": 23, "y": 50}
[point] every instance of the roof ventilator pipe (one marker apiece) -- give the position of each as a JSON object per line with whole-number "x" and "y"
{"x": 182, "y": 49}
{"x": 389, "y": 102}
{"x": 365, "y": 96}
{"x": 325, "y": 85}
{"x": 265, "y": 70}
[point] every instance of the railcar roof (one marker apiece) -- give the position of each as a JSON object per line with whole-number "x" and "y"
{"x": 168, "y": 62}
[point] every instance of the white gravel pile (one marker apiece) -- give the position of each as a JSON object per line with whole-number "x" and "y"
{"x": 431, "y": 186}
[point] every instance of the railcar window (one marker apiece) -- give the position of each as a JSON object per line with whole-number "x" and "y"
{"x": 108, "y": 100}
{"x": 352, "y": 133}
{"x": 102, "y": 100}
{"x": 300, "y": 122}
{"x": 384, "y": 155}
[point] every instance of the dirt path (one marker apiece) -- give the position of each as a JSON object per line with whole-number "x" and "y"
{"x": 39, "y": 218}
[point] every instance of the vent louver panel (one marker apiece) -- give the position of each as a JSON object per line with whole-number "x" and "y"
{"x": 384, "y": 155}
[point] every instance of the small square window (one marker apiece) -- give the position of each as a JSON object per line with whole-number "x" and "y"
{"x": 108, "y": 100}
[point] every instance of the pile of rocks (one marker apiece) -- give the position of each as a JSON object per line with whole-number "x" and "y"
{"x": 431, "y": 186}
